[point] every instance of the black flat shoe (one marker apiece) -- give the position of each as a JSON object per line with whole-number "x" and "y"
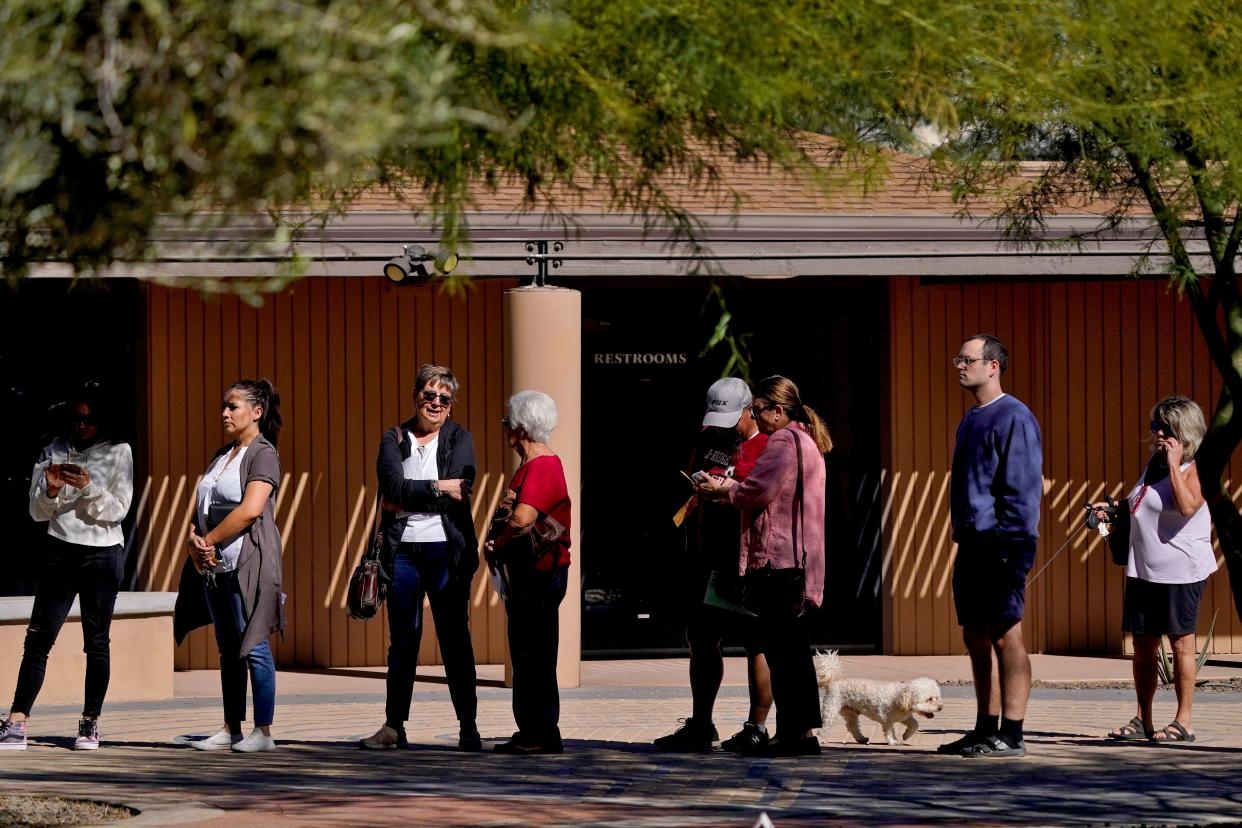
{"x": 469, "y": 740}
{"x": 808, "y": 746}
{"x": 516, "y": 748}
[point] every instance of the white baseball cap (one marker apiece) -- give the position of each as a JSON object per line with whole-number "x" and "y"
{"x": 726, "y": 400}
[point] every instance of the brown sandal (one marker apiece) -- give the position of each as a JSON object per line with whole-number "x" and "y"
{"x": 1174, "y": 731}
{"x": 1132, "y": 731}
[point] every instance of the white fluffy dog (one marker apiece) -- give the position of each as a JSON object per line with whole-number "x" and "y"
{"x": 888, "y": 702}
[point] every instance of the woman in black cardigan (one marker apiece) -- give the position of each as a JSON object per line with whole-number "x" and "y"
{"x": 426, "y": 467}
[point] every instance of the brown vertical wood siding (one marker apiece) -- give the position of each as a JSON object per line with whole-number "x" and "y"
{"x": 343, "y": 353}
{"x": 1089, "y": 359}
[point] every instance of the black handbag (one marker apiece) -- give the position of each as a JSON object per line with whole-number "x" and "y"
{"x": 368, "y": 586}
{"x": 217, "y": 512}
{"x": 1119, "y": 538}
{"x": 770, "y": 592}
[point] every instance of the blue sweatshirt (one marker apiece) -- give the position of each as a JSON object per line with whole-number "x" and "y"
{"x": 997, "y": 473}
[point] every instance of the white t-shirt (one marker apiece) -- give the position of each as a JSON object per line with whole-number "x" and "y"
{"x": 1165, "y": 547}
{"x": 422, "y": 527}
{"x": 221, "y": 484}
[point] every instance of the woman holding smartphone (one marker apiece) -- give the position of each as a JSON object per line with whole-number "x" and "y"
{"x": 81, "y": 487}
{"x": 1168, "y": 531}
{"x": 233, "y": 577}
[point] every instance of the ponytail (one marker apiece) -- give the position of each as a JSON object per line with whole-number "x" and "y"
{"x": 783, "y": 392}
{"x": 262, "y": 394}
{"x": 819, "y": 431}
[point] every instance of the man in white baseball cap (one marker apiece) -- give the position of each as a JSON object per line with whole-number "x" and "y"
{"x": 728, "y": 446}
{"x": 726, "y": 400}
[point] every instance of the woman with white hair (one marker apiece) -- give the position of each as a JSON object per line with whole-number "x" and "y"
{"x": 1170, "y": 558}
{"x": 529, "y": 539}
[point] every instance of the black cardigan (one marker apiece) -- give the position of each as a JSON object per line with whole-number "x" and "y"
{"x": 455, "y": 460}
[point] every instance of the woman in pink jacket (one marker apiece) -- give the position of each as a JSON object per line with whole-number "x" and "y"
{"x": 782, "y": 555}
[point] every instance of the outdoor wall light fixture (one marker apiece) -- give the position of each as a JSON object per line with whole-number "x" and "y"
{"x": 411, "y": 265}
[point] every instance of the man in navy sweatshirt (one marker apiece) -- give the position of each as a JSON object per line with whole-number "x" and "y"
{"x": 994, "y": 501}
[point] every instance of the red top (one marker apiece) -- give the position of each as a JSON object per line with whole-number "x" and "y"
{"x": 540, "y": 484}
{"x": 747, "y": 455}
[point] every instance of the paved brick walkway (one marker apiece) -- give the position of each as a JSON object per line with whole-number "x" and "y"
{"x": 611, "y": 775}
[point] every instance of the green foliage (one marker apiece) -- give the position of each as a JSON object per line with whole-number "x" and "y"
{"x": 1164, "y": 661}
{"x": 117, "y": 114}
{"x": 725, "y": 337}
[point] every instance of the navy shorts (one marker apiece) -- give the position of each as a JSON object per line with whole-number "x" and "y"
{"x": 989, "y": 580}
{"x": 1161, "y": 609}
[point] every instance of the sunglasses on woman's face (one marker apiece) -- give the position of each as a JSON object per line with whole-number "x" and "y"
{"x": 430, "y": 396}
{"x": 1158, "y": 427}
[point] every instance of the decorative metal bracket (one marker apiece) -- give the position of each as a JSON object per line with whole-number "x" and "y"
{"x": 538, "y": 256}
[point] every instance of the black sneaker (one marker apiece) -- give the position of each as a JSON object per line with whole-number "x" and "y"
{"x": 691, "y": 737}
{"x": 749, "y": 739}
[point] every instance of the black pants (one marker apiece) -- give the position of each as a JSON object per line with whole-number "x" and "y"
{"x": 794, "y": 688}
{"x": 69, "y": 570}
{"x": 533, "y": 608}
{"x": 423, "y": 569}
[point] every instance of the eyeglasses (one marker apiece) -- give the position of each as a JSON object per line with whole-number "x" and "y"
{"x": 1158, "y": 427}
{"x": 756, "y": 410}
{"x": 431, "y": 396}
{"x": 506, "y": 423}
{"x": 966, "y": 362}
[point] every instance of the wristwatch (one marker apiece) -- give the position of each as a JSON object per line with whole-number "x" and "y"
{"x": 435, "y": 488}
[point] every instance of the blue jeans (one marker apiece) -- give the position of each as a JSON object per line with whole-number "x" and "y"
{"x": 533, "y": 608}
{"x": 224, "y": 601}
{"x": 424, "y": 570}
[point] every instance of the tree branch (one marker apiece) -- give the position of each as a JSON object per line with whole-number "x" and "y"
{"x": 1205, "y": 306}
{"x": 1213, "y": 213}
{"x": 1231, "y": 246}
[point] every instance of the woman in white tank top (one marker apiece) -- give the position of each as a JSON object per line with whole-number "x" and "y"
{"x": 1171, "y": 557}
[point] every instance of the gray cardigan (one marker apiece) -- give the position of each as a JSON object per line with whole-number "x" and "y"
{"x": 258, "y": 567}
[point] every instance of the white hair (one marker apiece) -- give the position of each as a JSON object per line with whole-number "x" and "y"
{"x": 533, "y": 412}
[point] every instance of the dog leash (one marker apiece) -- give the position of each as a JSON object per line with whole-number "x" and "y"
{"x": 1055, "y": 555}
{"x": 1029, "y": 581}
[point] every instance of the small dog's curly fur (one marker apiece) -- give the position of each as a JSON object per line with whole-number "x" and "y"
{"x": 888, "y": 702}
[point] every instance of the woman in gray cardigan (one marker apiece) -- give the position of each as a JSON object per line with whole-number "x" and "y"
{"x": 233, "y": 576}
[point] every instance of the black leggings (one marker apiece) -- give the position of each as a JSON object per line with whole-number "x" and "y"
{"x": 69, "y": 570}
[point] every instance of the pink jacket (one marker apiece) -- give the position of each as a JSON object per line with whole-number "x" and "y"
{"x": 769, "y": 521}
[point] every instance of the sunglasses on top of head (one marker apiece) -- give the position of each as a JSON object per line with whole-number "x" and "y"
{"x": 432, "y": 396}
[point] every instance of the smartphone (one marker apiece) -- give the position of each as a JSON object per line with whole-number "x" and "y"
{"x": 700, "y": 477}
{"x": 71, "y": 468}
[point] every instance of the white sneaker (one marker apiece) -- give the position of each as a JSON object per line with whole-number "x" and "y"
{"x": 12, "y": 735}
{"x": 255, "y": 742}
{"x": 88, "y": 735}
{"x": 220, "y": 740}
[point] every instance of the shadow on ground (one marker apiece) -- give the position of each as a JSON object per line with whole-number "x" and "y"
{"x": 1064, "y": 780}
